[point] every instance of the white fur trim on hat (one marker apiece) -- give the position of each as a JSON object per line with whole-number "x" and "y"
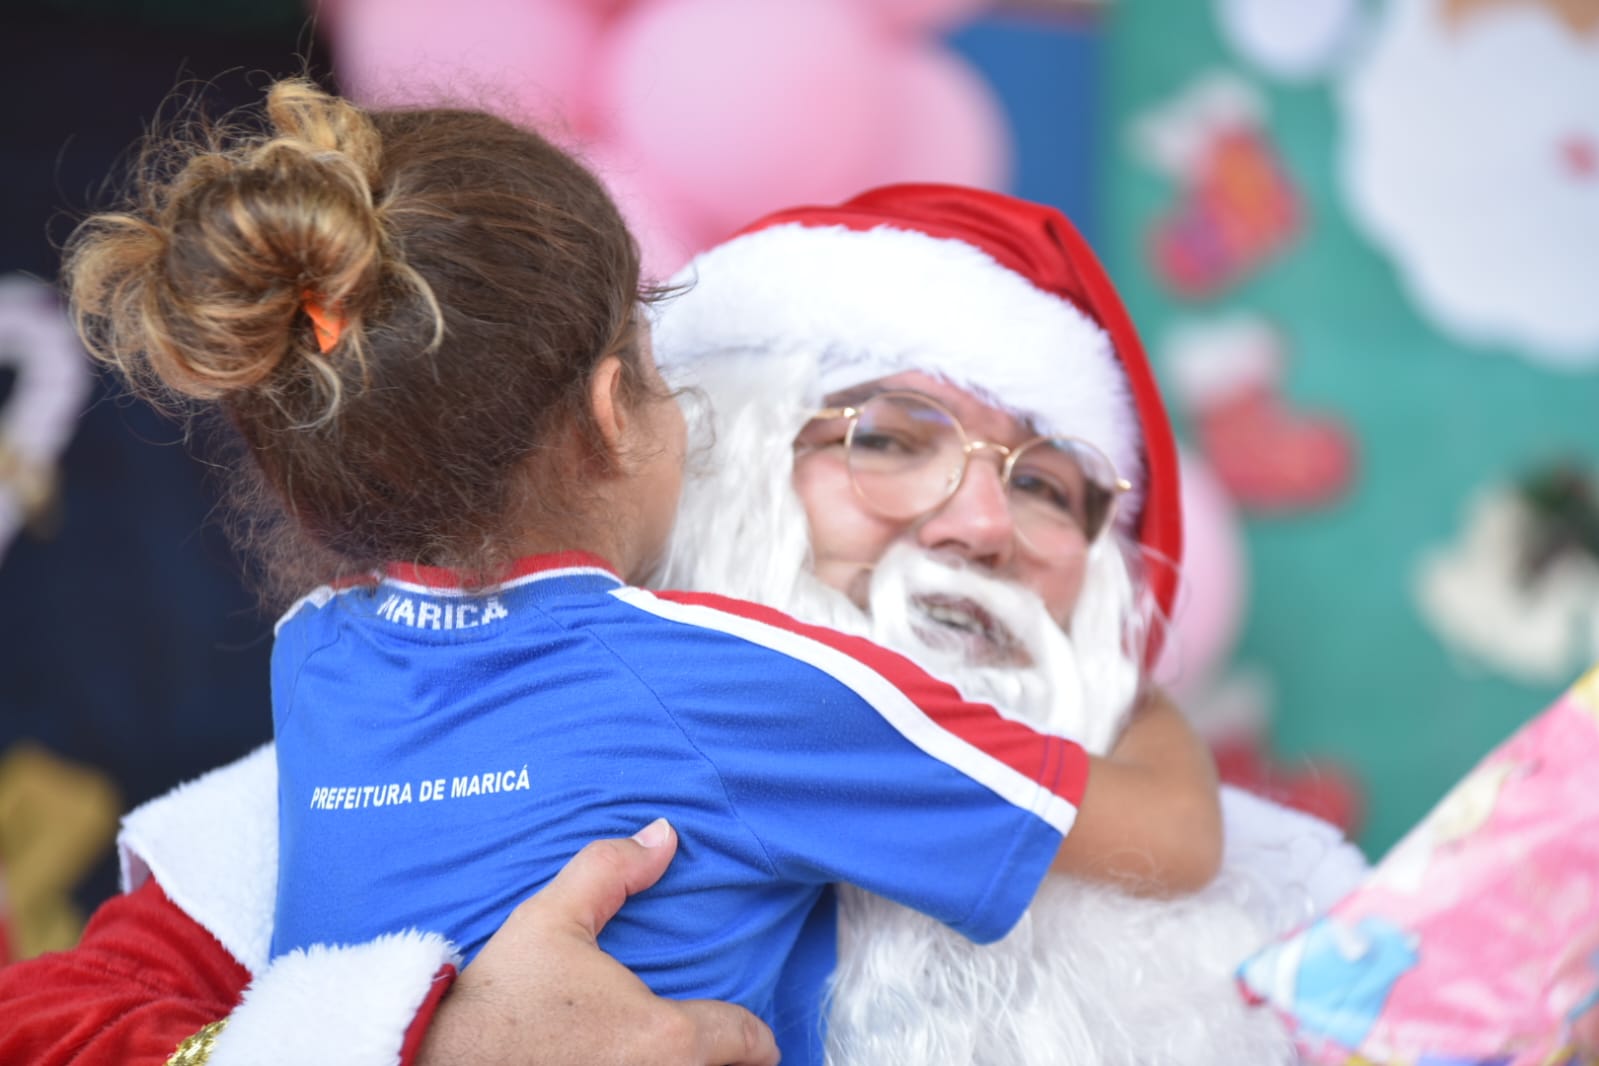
{"x": 882, "y": 301}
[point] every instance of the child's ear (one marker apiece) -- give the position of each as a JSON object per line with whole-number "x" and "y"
{"x": 608, "y": 404}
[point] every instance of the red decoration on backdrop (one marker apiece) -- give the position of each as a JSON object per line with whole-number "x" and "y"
{"x": 1239, "y": 211}
{"x": 1228, "y": 373}
{"x": 1272, "y": 457}
{"x": 1236, "y": 205}
{"x": 1315, "y": 786}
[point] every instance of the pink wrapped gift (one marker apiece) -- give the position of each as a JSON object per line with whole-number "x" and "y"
{"x": 1476, "y": 939}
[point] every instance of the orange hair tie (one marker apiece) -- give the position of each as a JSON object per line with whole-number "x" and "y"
{"x": 329, "y": 327}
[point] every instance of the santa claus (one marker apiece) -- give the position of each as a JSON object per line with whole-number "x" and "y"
{"x": 898, "y": 388}
{"x": 931, "y": 421}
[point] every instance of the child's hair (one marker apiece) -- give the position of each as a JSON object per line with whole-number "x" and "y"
{"x": 479, "y": 272}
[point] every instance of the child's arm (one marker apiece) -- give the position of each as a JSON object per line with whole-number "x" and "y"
{"x": 1150, "y": 818}
{"x": 906, "y": 761}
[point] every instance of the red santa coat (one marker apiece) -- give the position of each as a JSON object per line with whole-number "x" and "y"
{"x": 186, "y": 945}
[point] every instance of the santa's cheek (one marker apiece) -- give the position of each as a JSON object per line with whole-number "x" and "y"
{"x": 1059, "y": 590}
{"x": 849, "y": 577}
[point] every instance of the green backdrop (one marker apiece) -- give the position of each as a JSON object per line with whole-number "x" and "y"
{"x": 1358, "y": 675}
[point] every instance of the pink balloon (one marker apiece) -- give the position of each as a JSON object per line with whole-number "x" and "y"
{"x": 606, "y": 8}
{"x": 948, "y": 124}
{"x": 668, "y": 235}
{"x": 923, "y": 14}
{"x": 742, "y": 106}
{"x": 528, "y": 60}
{"x": 1213, "y": 590}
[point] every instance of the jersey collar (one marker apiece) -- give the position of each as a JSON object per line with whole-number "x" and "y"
{"x": 530, "y": 567}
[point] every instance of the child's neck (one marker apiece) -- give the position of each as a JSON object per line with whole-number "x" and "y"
{"x": 607, "y": 527}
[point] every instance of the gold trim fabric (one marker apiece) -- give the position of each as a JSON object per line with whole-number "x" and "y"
{"x": 196, "y": 1050}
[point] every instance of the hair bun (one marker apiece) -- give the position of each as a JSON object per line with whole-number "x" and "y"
{"x": 203, "y": 286}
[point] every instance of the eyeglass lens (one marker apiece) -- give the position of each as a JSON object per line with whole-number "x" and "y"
{"x": 907, "y": 456}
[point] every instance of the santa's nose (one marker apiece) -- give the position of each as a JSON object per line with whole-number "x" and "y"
{"x": 976, "y": 522}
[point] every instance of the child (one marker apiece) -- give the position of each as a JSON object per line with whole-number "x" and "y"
{"x": 425, "y": 327}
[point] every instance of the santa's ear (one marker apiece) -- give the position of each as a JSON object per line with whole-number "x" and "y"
{"x": 608, "y": 404}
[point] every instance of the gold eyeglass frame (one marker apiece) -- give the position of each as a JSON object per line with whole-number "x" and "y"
{"x": 1119, "y": 486}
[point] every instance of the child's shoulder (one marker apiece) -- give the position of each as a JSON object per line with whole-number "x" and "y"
{"x": 765, "y": 630}
{"x": 725, "y": 614}
{"x": 311, "y": 606}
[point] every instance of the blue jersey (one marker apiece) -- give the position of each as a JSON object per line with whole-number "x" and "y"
{"x": 442, "y": 754}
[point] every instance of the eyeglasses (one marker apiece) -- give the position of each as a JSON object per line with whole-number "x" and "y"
{"x": 907, "y": 455}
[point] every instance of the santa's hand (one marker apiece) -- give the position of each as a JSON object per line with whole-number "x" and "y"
{"x": 542, "y": 993}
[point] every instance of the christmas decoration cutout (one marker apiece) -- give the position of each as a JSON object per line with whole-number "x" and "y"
{"x": 41, "y": 411}
{"x": 1236, "y": 206}
{"x": 1228, "y": 374}
{"x": 1471, "y": 158}
{"x": 1517, "y": 590}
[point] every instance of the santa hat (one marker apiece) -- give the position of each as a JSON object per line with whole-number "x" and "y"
{"x": 997, "y": 295}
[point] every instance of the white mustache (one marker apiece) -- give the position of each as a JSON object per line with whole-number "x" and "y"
{"x": 909, "y": 585}
{"x": 993, "y": 637}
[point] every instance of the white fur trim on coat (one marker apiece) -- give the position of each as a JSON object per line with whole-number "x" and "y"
{"x": 1298, "y": 864}
{"x": 212, "y": 845}
{"x": 878, "y": 302}
{"x": 351, "y": 1005}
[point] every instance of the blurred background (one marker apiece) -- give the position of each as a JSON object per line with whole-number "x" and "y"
{"x": 1361, "y": 239}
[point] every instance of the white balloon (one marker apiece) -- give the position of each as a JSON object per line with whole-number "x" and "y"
{"x": 1295, "y": 40}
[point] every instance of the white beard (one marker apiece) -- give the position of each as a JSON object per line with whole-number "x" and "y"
{"x": 1090, "y": 975}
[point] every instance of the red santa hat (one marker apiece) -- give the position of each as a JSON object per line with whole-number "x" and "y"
{"x": 997, "y": 295}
